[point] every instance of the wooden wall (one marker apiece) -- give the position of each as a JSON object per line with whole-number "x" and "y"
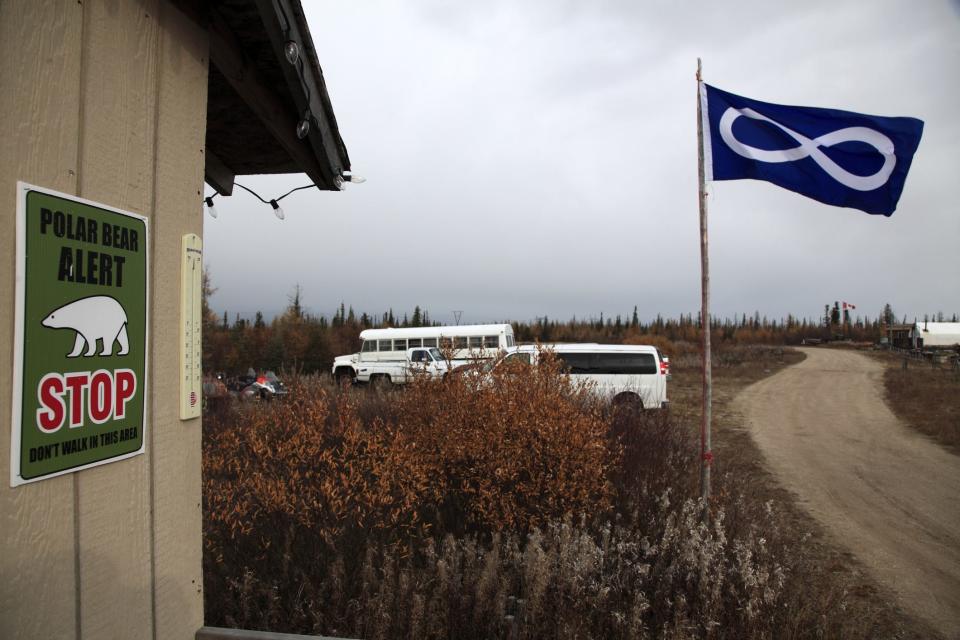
{"x": 106, "y": 99}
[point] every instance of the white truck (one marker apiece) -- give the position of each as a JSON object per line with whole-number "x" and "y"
{"x": 419, "y": 361}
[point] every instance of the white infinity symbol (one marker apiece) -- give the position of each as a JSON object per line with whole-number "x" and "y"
{"x": 808, "y": 147}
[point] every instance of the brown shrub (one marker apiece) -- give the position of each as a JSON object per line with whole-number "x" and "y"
{"x": 455, "y": 456}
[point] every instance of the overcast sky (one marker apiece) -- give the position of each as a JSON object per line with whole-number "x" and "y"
{"x": 539, "y": 158}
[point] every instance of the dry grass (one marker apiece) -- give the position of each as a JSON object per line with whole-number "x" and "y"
{"x": 925, "y": 396}
{"x": 519, "y": 509}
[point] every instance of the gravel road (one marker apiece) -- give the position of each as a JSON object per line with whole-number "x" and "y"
{"x": 886, "y": 493}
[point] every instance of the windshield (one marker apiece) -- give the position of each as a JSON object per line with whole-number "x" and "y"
{"x": 436, "y": 354}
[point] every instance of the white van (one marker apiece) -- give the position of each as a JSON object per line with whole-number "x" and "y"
{"x": 622, "y": 373}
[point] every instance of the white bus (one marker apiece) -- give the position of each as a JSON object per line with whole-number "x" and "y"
{"x": 467, "y": 343}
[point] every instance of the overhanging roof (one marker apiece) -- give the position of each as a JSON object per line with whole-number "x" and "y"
{"x": 256, "y": 97}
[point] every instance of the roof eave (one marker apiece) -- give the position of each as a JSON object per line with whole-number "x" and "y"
{"x": 285, "y": 21}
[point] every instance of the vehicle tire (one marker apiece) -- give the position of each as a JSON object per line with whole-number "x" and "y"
{"x": 627, "y": 402}
{"x": 344, "y": 377}
{"x": 381, "y": 382}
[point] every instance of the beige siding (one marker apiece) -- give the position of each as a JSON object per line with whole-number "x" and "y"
{"x": 116, "y": 168}
{"x": 39, "y": 107}
{"x": 106, "y": 99}
{"x": 175, "y": 444}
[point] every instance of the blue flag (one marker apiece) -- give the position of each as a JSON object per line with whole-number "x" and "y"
{"x": 837, "y": 157}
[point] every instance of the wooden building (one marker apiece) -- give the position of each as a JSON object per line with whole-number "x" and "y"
{"x": 133, "y": 103}
{"x": 900, "y": 335}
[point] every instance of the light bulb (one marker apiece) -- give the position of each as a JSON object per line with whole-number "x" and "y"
{"x": 277, "y": 210}
{"x": 355, "y": 179}
{"x": 303, "y": 127}
{"x": 291, "y": 51}
{"x": 210, "y": 208}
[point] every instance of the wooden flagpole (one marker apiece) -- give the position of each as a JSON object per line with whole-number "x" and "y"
{"x": 706, "y": 452}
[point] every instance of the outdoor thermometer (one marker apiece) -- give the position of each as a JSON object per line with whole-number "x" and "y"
{"x": 191, "y": 342}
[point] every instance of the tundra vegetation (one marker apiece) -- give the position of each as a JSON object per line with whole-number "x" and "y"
{"x": 518, "y": 507}
{"x": 925, "y": 394}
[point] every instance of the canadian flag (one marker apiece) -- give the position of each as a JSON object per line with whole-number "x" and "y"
{"x": 847, "y": 305}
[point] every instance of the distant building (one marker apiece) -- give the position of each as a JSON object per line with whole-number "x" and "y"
{"x": 900, "y": 335}
{"x": 924, "y": 335}
{"x": 939, "y": 335}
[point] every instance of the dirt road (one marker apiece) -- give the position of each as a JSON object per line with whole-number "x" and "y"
{"x": 889, "y": 495}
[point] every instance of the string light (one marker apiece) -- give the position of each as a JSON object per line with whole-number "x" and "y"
{"x": 303, "y": 127}
{"x": 210, "y": 208}
{"x": 275, "y": 202}
{"x": 292, "y": 52}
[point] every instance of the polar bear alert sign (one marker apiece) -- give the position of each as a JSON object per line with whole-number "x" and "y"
{"x": 80, "y": 353}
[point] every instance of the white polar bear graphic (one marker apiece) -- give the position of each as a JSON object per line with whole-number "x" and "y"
{"x": 94, "y": 318}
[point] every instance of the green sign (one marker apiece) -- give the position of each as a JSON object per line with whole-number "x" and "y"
{"x": 80, "y": 351}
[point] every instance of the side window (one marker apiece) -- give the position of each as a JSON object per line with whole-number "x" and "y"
{"x": 518, "y": 357}
{"x": 418, "y": 356}
{"x": 490, "y": 342}
{"x": 460, "y": 342}
{"x": 446, "y": 343}
{"x": 475, "y": 342}
{"x": 386, "y": 345}
{"x": 369, "y": 345}
{"x": 577, "y": 362}
{"x": 430, "y": 342}
{"x": 414, "y": 342}
{"x": 510, "y": 342}
{"x": 400, "y": 345}
{"x": 627, "y": 363}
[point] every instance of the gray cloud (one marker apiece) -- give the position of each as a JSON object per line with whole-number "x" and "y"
{"x": 540, "y": 158}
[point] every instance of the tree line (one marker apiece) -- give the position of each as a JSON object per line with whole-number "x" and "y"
{"x": 307, "y": 342}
